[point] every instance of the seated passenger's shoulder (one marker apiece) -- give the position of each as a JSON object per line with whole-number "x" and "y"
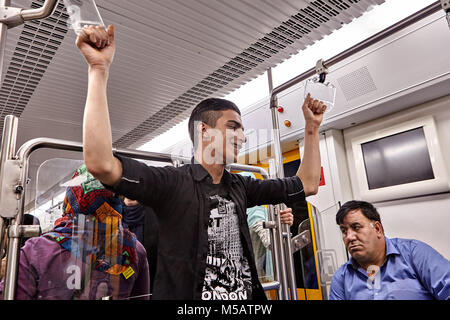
{"x": 409, "y": 245}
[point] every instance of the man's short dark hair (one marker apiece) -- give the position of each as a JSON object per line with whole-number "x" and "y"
{"x": 208, "y": 111}
{"x": 367, "y": 209}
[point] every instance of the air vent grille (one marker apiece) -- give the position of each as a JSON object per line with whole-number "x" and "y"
{"x": 38, "y": 42}
{"x": 340, "y": 4}
{"x": 357, "y": 83}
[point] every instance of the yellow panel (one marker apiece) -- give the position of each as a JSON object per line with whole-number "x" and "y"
{"x": 287, "y": 157}
{"x": 314, "y": 294}
{"x": 300, "y": 294}
{"x": 291, "y": 156}
{"x": 311, "y": 294}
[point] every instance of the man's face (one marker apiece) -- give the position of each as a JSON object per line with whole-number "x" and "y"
{"x": 227, "y": 138}
{"x": 361, "y": 236}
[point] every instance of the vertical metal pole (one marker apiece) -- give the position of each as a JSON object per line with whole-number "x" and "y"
{"x": 277, "y": 246}
{"x": 277, "y": 153}
{"x": 289, "y": 259}
{"x": 7, "y": 153}
{"x": 14, "y": 242}
{"x": 278, "y": 156}
{"x": 278, "y": 253}
{"x": 8, "y": 146}
{"x": 12, "y": 262}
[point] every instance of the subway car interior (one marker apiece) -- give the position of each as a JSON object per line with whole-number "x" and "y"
{"x": 384, "y": 138}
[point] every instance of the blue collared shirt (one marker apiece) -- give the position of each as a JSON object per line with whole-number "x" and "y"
{"x": 412, "y": 271}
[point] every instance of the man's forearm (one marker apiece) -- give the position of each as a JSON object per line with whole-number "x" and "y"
{"x": 309, "y": 170}
{"x": 97, "y": 140}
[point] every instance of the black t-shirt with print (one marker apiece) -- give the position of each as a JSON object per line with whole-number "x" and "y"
{"x": 228, "y": 275}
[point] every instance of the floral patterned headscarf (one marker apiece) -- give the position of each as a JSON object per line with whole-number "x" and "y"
{"x": 91, "y": 226}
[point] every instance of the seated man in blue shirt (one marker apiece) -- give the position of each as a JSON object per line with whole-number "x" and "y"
{"x": 381, "y": 268}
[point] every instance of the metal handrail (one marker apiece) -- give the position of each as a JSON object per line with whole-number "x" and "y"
{"x": 40, "y": 13}
{"x": 248, "y": 168}
{"x": 13, "y": 17}
{"x": 273, "y": 285}
{"x": 28, "y": 147}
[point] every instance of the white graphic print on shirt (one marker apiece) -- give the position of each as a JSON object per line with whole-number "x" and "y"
{"x": 227, "y": 270}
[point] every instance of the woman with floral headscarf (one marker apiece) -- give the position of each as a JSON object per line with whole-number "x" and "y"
{"x": 88, "y": 254}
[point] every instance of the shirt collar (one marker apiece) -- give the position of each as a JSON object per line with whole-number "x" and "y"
{"x": 352, "y": 263}
{"x": 391, "y": 249}
{"x": 200, "y": 173}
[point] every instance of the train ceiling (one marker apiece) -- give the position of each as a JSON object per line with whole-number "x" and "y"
{"x": 170, "y": 55}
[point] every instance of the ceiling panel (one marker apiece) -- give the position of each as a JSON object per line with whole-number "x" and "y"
{"x": 170, "y": 55}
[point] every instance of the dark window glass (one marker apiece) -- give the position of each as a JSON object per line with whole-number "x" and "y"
{"x": 397, "y": 159}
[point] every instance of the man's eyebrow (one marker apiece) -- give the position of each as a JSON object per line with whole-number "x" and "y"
{"x": 237, "y": 123}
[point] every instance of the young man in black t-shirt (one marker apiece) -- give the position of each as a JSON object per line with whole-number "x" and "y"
{"x": 191, "y": 259}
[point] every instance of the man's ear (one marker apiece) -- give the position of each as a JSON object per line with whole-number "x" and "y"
{"x": 202, "y": 131}
{"x": 379, "y": 228}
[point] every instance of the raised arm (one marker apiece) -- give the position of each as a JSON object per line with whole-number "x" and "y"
{"x": 97, "y": 46}
{"x": 309, "y": 170}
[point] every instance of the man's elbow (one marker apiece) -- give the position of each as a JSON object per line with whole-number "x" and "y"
{"x": 310, "y": 182}
{"x": 96, "y": 169}
{"x": 100, "y": 170}
{"x": 311, "y": 186}
{"x": 311, "y": 190}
